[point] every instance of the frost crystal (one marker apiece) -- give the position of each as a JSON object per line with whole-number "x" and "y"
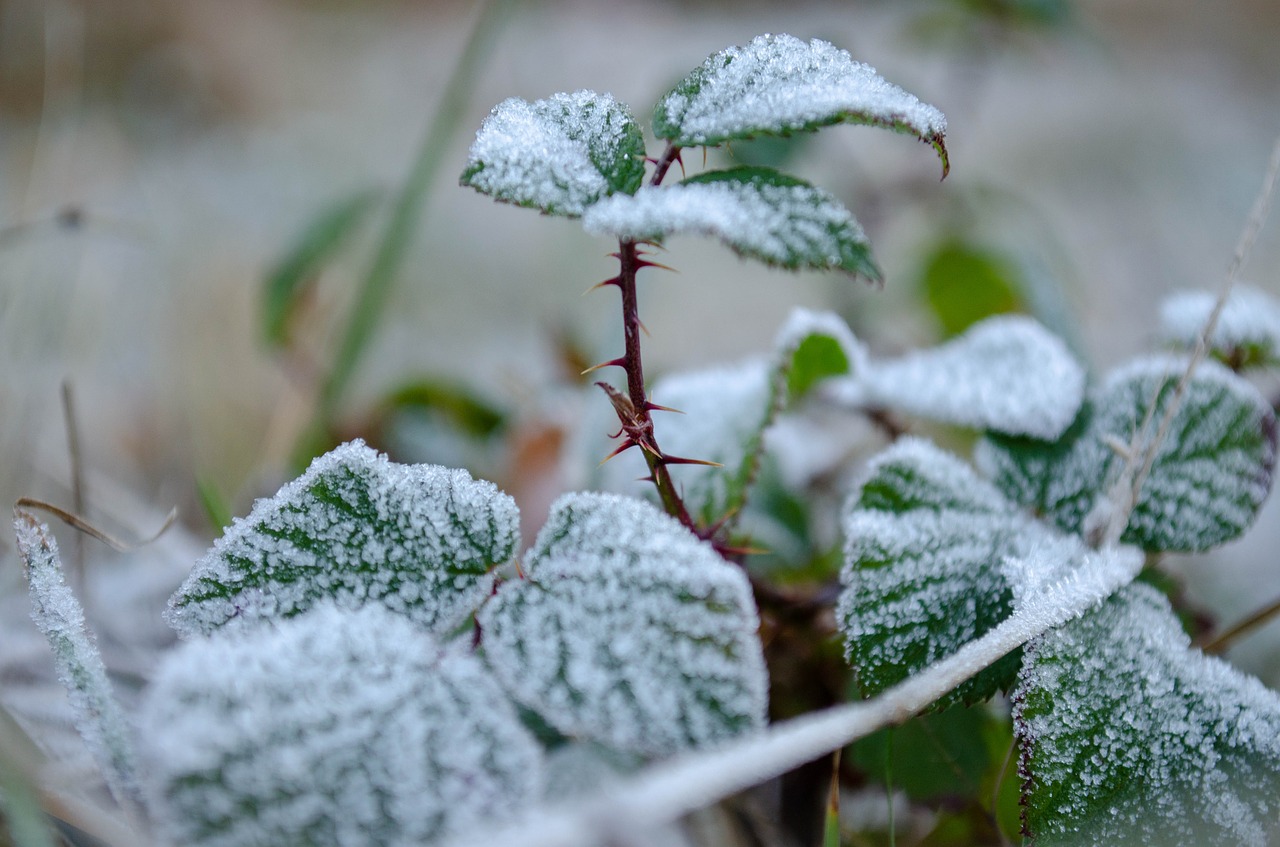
{"x": 60, "y": 618}
{"x": 559, "y": 155}
{"x": 420, "y": 539}
{"x": 925, "y": 540}
{"x": 1130, "y": 737}
{"x": 1007, "y": 374}
{"x": 332, "y": 728}
{"x": 629, "y": 631}
{"x": 1248, "y": 329}
{"x": 781, "y": 84}
{"x": 1209, "y": 478}
{"x": 757, "y": 212}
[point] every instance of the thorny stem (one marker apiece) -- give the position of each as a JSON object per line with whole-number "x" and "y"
{"x": 642, "y": 422}
{"x": 637, "y": 423}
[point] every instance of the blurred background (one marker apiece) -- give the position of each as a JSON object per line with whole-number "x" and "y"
{"x": 194, "y": 198}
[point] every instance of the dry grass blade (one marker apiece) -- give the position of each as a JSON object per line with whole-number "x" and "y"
{"x": 1144, "y": 447}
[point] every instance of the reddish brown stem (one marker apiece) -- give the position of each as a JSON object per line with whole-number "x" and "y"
{"x": 639, "y": 419}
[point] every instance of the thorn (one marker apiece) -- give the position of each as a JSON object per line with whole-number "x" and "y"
{"x": 650, "y": 449}
{"x": 645, "y": 263}
{"x": 679, "y": 460}
{"x": 745, "y": 551}
{"x": 622, "y": 448}
{"x": 656, "y": 245}
{"x": 619, "y": 362}
{"x": 607, "y": 282}
{"x": 644, "y": 328}
{"x": 654, "y": 407}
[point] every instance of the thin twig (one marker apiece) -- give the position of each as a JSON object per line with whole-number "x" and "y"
{"x": 75, "y": 521}
{"x": 1123, "y": 497}
{"x": 1219, "y": 643}
{"x": 78, "y": 498}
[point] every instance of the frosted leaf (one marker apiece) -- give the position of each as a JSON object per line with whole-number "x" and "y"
{"x": 60, "y": 619}
{"x": 925, "y": 543}
{"x": 1008, "y": 374}
{"x": 332, "y": 728}
{"x": 779, "y": 84}
{"x": 1209, "y": 478}
{"x": 728, "y": 409}
{"x": 421, "y": 540}
{"x": 760, "y": 213}
{"x": 1248, "y": 329}
{"x": 628, "y": 630}
{"x": 559, "y": 155}
{"x": 1128, "y": 736}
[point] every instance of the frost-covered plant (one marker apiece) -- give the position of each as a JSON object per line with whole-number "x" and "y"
{"x": 368, "y": 657}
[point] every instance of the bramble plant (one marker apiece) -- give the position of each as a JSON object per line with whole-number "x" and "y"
{"x": 362, "y": 663}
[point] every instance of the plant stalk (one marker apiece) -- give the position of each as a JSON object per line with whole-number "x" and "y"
{"x": 629, "y": 259}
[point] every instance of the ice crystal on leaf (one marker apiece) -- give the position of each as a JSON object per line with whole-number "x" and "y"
{"x": 779, "y": 84}
{"x": 760, "y": 213}
{"x": 1129, "y": 736}
{"x": 1209, "y": 478}
{"x": 559, "y": 155}
{"x": 628, "y": 630}
{"x": 60, "y": 619}
{"x": 421, "y": 540}
{"x": 1007, "y": 374}
{"x": 335, "y": 728}
{"x": 925, "y": 544}
{"x": 1248, "y": 330}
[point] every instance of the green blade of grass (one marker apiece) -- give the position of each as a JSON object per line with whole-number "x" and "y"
{"x": 407, "y": 212}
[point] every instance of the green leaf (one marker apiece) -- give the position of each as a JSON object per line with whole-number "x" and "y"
{"x": 779, "y": 84}
{"x": 1209, "y": 478}
{"x": 334, "y": 727}
{"x": 421, "y": 540}
{"x": 726, "y": 411}
{"x": 559, "y": 155}
{"x": 293, "y": 274}
{"x": 1006, "y": 373}
{"x": 933, "y": 756}
{"x": 1248, "y": 329}
{"x": 964, "y": 284}
{"x": 925, "y": 544}
{"x": 459, "y": 404}
{"x": 758, "y": 213}
{"x": 60, "y": 618}
{"x": 1130, "y": 737}
{"x": 628, "y": 630}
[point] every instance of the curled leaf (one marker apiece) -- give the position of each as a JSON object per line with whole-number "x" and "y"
{"x": 779, "y": 84}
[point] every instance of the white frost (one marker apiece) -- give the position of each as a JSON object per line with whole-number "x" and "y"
{"x": 788, "y": 225}
{"x": 629, "y": 631}
{"x": 550, "y": 153}
{"x": 1008, "y": 374}
{"x": 336, "y": 728}
{"x": 1250, "y": 319}
{"x": 1129, "y": 736}
{"x": 779, "y": 83}
{"x": 420, "y": 539}
{"x": 60, "y": 619}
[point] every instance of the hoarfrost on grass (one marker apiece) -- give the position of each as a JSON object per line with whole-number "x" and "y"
{"x": 60, "y": 618}
{"x": 560, "y": 155}
{"x": 1248, "y": 329}
{"x": 1130, "y": 736}
{"x": 757, "y": 212}
{"x": 1209, "y": 477}
{"x": 628, "y": 630}
{"x": 336, "y": 727}
{"x": 1008, "y": 374}
{"x": 779, "y": 84}
{"x": 421, "y": 540}
{"x": 925, "y": 541}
